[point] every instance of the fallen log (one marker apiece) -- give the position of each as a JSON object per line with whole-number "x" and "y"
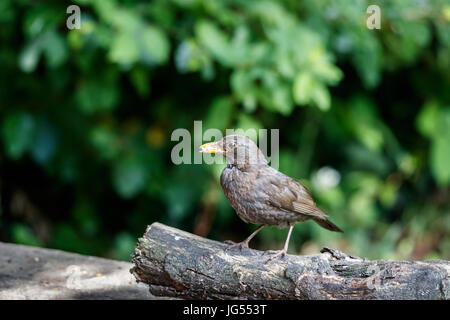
{"x": 32, "y": 273}
{"x": 179, "y": 264}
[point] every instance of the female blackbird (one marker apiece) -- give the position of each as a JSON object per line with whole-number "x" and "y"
{"x": 259, "y": 193}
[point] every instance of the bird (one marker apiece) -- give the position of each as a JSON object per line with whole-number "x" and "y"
{"x": 260, "y": 194}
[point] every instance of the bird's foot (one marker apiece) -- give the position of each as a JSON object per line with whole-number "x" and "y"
{"x": 240, "y": 245}
{"x": 275, "y": 254}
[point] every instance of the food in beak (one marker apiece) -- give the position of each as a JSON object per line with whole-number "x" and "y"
{"x": 211, "y": 147}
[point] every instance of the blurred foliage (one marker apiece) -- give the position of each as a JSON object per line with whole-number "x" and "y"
{"x": 86, "y": 119}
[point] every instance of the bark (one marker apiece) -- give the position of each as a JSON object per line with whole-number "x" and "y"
{"x": 179, "y": 264}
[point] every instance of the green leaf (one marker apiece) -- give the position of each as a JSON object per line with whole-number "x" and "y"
{"x": 440, "y": 159}
{"x": 282, "y": 99}
{"x": 215, "y": 41}
{"x": 140, "y": 79}
{"x": 427, "y": 119}
{"x": 85, "y": 217}
{"x": 124, "y": 49}
{"x": 66, "y": 237}
{"x": 29, "y": 57}
{"x": 321, "y": 97}
{"x": 154, "y": 46}
{"x": 179, "y": 200}
{"x": 303, "y": 87}
{"x": 328, "y": 72}
{"x": 365, "y": 122}
{"x": 23, "y": 234}
{"x": 55, "y": 49}
{"x": 45, "y": 143}
{"x": 96, "y": 95}
{"x": 104, "y": 140}
{"x": 129, "y": 177}
{"x": 244, "y": 88}
{"x": 17, "y": 133}
{"x": 123, "y": 246}
{"x": 247, "y": 122}
{"x": 219, "y": 115}
{"x": 434, "y": 123}
{"x": 307, "y": 89}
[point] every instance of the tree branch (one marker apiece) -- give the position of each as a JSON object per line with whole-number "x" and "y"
{"x": 179, "y": 264}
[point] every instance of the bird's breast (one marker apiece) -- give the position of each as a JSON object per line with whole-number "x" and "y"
{"x": 241, "y": 190}
{"x": 236, "y": 186}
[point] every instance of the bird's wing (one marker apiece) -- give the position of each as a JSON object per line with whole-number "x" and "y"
{"x": 287, "y": 194}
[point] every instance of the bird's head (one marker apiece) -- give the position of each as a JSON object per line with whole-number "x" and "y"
{"x": 238, "y": 150}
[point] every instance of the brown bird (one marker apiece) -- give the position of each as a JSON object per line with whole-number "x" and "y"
{"x": 259, "y": 193}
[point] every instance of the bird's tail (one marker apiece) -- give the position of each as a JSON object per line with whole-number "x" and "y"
{"x": 327, "y": 224}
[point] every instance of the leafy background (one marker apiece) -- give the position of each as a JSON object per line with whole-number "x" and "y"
{"x": 87, "y": 115}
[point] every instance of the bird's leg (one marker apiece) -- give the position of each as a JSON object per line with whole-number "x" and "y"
{"x": 243, "y": 244}
{"x": 282, "y": 253}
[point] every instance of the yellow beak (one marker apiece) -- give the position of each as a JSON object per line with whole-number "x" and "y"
{"x": 211, "y": 147}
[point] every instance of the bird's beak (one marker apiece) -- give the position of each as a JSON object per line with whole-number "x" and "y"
{"x": 211, "y": 147}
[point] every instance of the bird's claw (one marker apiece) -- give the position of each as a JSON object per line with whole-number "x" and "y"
{"x": 232, "y": 244}
{"x": 275, "y": 254}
